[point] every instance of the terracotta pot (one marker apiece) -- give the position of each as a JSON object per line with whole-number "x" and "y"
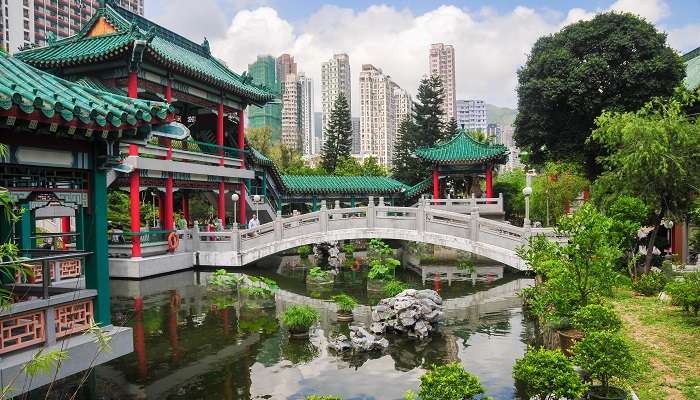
{"x": 613, "y": 393}
{"x": 567, "y": 339}
{"x": 298, "y": 333}
{"x": 344, "y": 316}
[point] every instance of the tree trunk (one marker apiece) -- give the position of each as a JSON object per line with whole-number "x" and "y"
{"x": 650, "y": 247}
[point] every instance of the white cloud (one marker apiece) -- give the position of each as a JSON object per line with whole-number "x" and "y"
{"x": 490, "y": 47}
{"x": 684, "y": 39}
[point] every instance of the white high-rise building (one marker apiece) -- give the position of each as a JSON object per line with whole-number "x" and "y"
{"x": 335, "y": 79}
{"x": 28, "y": 22}
{"x": 306, "y": 115}
{"x": 291, "y": 134}
{"x": 441, "y": 62}
{"x": 471, "y": 115}
{"x": 382, "y": 106}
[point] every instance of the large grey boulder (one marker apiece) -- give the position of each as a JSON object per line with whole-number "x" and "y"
{"x": 360, "y": 340}
{"x": 414, "y": 312}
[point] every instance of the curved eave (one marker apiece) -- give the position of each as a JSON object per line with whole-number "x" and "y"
{"x": 501, "y": 158}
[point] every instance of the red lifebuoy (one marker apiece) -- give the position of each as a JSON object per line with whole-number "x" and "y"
{"x": 173, "y": 241}
{"x": 356, "y": 265}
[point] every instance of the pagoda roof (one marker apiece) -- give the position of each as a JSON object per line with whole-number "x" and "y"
{"x": 327, "y": 184}
{"x": 692, "y": 69}
{"x": 30, "y": 93}
{"x": 164, "y": 46}
{"x": 463, "y": 149}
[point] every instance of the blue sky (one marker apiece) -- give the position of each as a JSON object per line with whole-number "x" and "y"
{"x": 491, "y": 38}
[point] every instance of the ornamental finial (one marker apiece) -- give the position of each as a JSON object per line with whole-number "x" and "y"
{"x": 205, "y": 45}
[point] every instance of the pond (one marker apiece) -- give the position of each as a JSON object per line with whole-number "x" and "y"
{"x": 193, "y": 344}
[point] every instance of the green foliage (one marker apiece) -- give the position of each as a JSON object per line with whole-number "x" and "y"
{"x": 344, "y": 303}
{"x": 260, "y": 139}
{"x": 382, "y": 269}
{"x": 449, "y": 382}
{"x": 317, "y": 274}
{"x": 596, "y": 317}
{"x": 290, "y": 161}
{"x": 572, "y": 76}
{"x": 379, "y": 250}
{"x": 605, "y": 355}
{"x": 650, "y": 283}
{"x": 224, "y": 279}
{"x": 44, "y": 362}
{"x": 576, "y": 272}
{"x": 548, "y": 375}
{"x": 350, "y": 166}
{"x": 338, "y": 135}
{"x": 451, "y": 128}
{"x": 685, "y": 292}
{"x": 300, "y": 317}
{"x": 260, "y": 287}
{"x": 349, "y": 249}
{"x": 324, "y": 397}
{"x": 465, "y": 262}
{"x": 653, "y": 154}
{"x": 304, "y": 251}
{"x": 101, "y": 339}
{"x": 394, "y": 287}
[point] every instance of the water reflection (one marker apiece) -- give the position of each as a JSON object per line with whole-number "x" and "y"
{"x": 193, "y": 342}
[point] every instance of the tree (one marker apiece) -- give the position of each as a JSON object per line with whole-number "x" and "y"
{"x": 260, "y": 139}
{"x": 338, "y": 137}
{"x": 349, "y": 166}
{"x": 653, "y": 154}
{"x": 613, "y": 62}
{"x": 548, "y": 375}
{"x": 407, "y": 167}
{"x": 451, "y": 128}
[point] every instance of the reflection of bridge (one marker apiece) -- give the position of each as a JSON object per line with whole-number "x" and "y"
{"x": 491, "y": 239}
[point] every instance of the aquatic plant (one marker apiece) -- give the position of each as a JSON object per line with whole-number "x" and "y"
{"x": 260, "y": 287}
{"x": 349, "y": 249}
{"x": 382, "y": 269}
{"x": 300, "y": 318}
{"x": 394, "y": 287}
{"x": 378, "y": 250}
{"x": 344, "y": 303}
{"x": 224, "y": 279}
{"x": 304, "y": 251}
{"x": 449, "y": 382}
{"x": 317, "y": 274}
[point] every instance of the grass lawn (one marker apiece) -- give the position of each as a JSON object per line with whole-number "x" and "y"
{"x": 667, "y": 342}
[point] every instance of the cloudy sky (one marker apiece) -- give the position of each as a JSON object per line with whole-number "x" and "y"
{"x": 491, "y": 38}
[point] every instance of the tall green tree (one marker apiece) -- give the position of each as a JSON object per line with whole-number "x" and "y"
{"x": 260, "y": 139}
{"x": 614, "y": 62}
{"x": 338, "y": 137}
{"x": 451, "y": 128}
{"x": 405, "y": 166}
{"x": 653, "y": 154}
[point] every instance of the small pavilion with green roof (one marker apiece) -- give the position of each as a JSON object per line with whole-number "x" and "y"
{"x": 463, "y": 156}
{"x": 692, "y": 69}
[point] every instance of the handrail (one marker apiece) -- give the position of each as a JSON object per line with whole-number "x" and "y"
{"x": 47, "y": 258}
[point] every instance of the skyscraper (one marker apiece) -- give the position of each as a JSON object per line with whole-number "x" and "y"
{"x": 285, "y": 66}
{"x": 263, "y": 71}
{"x": 356, "y": 149}
{"x": 28, "y": 22}
{"x": 382, "y": 102}
{"x": 442, "y": 63}
{"x": 291, "y": 134}
{"x": 306, "y": 117}
{"x": 335, "y": 79}
{"x": 471, "y": 115}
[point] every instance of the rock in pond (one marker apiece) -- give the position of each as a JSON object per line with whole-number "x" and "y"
{"x": 415, "y": 312}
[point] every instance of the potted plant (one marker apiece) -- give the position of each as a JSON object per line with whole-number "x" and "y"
{"x": 381, "y": 272}
{"x": 317, "y": 276}
{"x": 548, "y": 374}
{"x": 605, "y": 355}
{"x": 349, "y": 250}
{"x": 345, "y": 304}
{"x": 595, "y": 318}
{"x": 258, "y": 293}
{"x": 299, "y": 319}
{"x": 449, "y": 382}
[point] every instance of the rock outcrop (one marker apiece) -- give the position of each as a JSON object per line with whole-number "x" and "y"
{"x": 360, "y": 340}
{"x": 414, "y": 312}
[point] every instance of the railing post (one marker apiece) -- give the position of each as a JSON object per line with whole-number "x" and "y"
{"x": 236, "y": 239}
{"x": 278, "y": 226}
{"x": 473, "y": 201}
{"x": 337, "y": 207}
{"x": 500, "y": 202}
{"x": 420, "y": 217}
{"x": 370, "y": 212}
{"x": 46, "y": 280}
{"x": 474, "y": 216}
{"x": 195, "y": 236}
{"x": 50, "y": 325}
{"x": 323, "y": 218}
{"x": 381, "y": 204}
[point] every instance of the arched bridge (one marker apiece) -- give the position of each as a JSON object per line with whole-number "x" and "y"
{"x": 469, "y": 232}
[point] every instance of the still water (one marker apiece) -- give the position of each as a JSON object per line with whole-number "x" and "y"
{"x": 192, "y": 344}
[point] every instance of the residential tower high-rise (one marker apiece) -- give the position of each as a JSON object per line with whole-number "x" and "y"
{"x": 335, "y": 79}
{"x": 403, "y": 107}
{"x": 26, "y": 23}
{"x": 441, "y": 62}
{"x": 471, "y": 115}
{"x": 264, "y": 71}
{"x": 285, "y": 66}
{"x": 291, "y": 134}
{"x": 306, "y": 117}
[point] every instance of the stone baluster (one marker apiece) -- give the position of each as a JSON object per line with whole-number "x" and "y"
{"x": 370, "y": 212}
{"x": 420, "y": 217}
{"x": 236, "y": 239}
{"x": 278, "y": 225}
{"x": 323, "y": 216}
{"x": 337, "y": 207}
{"x": 195, "y": 236}
{"x": 474, "y": 217}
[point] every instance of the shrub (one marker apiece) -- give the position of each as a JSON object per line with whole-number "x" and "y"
{"x": 650, "y": 284}
{"x": 548, "y": 374}
{"x": 300, "y": 318}
{"x": 686, "y": 292}
{"x": 383, "y": 270}
{"x": 224, "y": 279}
{"x": 394, "y": 287}
{"x": 605, "y": 355}
{"x": 344, "y": 303}
{"x": 317, "y": 274}
{"x": 595, "y": 318}
{"x": 304, "y": 251}
{"x": 324, "y": 397}
{"x": 261, "y": 287}
{"x": 449, "y": 382}
{"x": 378, "y": 250}
{"x": 349, "y": 249}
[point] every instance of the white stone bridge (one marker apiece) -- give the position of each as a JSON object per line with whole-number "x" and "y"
{"x": 495, "y": 240}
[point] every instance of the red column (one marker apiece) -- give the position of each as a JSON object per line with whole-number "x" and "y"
{"x": 436, "y": 183}
{"x": 185, "y": 207}
{"x": 140, "y": 339}
{"x": 677, "y": 238}
{"x": 220, "y": 142}
{"x": 169, "y": 220}
{"x": 169, "y": 91}
{"x": 135, "y": 181}
{"x": 65, "y": 228}
{"x": 241, "y": 146}
{"x": 489, "y": 181}
{"x": 172, "y": 325}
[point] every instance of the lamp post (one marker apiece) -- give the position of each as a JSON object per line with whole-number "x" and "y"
{"x": 256, "y": 201}
{"x": 234, "y": 197}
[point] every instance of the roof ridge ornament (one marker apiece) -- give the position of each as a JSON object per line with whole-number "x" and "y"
{"x": 205, "y": 46}
{"x": 50, "y": 38}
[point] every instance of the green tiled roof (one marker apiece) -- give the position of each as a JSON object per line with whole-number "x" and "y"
{"x": 463, "y": 149}
{"x": 692, "y": 69}
{"x": 419, "y": 188}
{"x": 28, "y": 89}
{"x": 165, "y": 46}
{"x": 342, "y": 184}
{"x": 96, "y": 84}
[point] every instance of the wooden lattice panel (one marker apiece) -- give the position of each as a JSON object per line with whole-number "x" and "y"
{"x": 72, "y": 318}
{"x": 22, "y": 331}
{"x": 70, "y": 268}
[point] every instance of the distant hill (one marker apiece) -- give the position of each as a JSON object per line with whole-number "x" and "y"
{"x": 500, "y": 115}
